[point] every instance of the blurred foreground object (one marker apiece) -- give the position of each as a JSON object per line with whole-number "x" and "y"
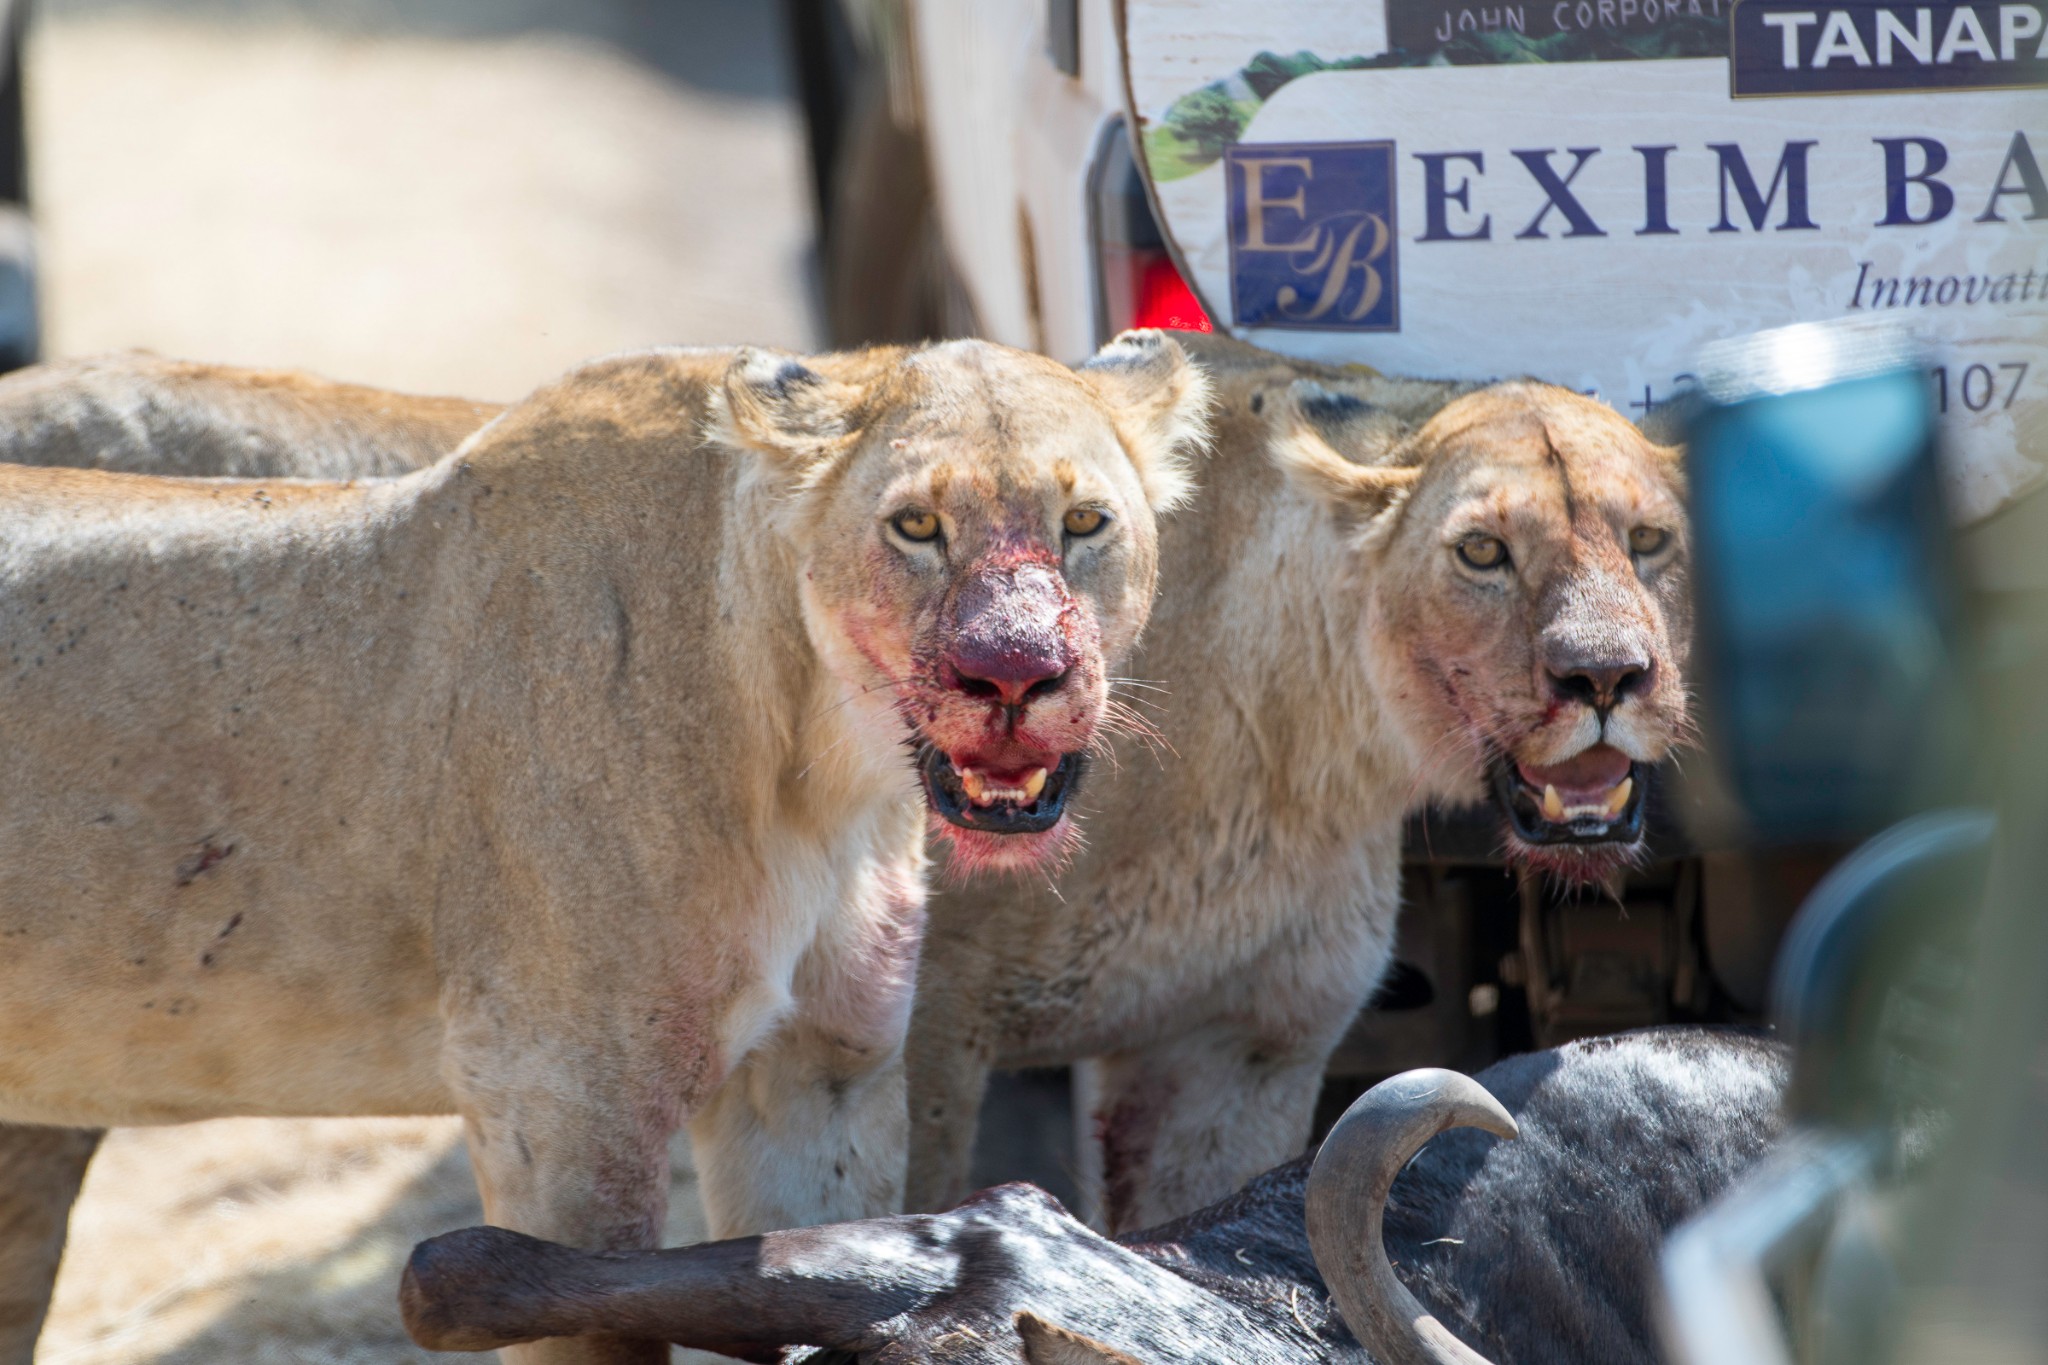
{"x": 1906, "y": 1217}
{"x": 1827, "y": 601}
{"x": 20, "y": 325}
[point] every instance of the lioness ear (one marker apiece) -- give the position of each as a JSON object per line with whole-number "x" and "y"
{"x": 1664, "y": 427}
{"x": 1671, "y": 459}
{"x": 1045, "y": 1344}
{"x": 1159, "y": 400}
{"x": 774, "y": 403}
{"x": 1316, "y": 429}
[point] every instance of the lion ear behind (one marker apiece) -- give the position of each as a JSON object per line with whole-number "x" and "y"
{"x": 1665, "y": 427}
{"x": 1159, "y": 400}
{"x": 1045, "y": 1344}
{"x": 774, "y": 403}
{"x": 1319, "y": 437}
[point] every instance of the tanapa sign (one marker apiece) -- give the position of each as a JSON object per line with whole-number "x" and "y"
{"x": 1785, "y": 47}
{"x": 1589, "y": 190}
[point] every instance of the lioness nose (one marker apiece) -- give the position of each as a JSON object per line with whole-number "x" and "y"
{"x": 1009, "y": 676}
{"x": 1008, "y": 641}
{"x": 1602, "y": 686}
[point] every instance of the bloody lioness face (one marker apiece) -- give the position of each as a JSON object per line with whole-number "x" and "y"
{"x": 1528, "y": 614}
{"x": 984, "y": 553}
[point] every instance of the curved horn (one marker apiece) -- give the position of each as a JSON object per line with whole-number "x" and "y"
{"x": 485, "y": 1288}
{"x": 1347, "y": 1194}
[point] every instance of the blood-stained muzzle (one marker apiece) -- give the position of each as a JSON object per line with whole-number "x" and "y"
{"x": 1578, "y": 781}
{"x": 1020, "y": 693}
{"x": 1009, "y": 640}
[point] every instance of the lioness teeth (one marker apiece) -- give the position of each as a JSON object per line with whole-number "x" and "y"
{"x": 1607, "y": 808}
{"x": 982, "y": 792}
{"x": 1618, "y": 798}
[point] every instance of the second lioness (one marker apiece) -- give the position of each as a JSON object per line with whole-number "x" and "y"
{"x": 1385, "y": 592}
{"x": 566, "y": 782}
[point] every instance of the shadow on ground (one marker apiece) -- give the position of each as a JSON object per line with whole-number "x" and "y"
{"x": 340, "y": 1306}
{"x": 262, "y": 1242}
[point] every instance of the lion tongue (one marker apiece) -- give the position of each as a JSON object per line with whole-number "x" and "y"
{"x": 1588, "y": 778}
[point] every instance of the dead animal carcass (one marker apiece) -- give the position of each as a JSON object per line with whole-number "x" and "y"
{"x": 1537, "y": 1250}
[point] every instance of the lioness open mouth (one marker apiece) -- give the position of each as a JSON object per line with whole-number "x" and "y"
{"x": 1594, "y": 797}
{"x": 992, "y": 802}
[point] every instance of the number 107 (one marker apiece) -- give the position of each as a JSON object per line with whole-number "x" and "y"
{"x": 1976, "y": 387}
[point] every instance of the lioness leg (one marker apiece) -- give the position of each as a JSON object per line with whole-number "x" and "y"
{"x": 807, "y": 1130}
{"x": 1186, "y": 1122}
{"x": 578, "y": 1158}
{"x": 948, "y": 1081}
{"x": 40, "y": 1172}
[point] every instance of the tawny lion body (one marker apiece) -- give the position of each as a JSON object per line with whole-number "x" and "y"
{"x": 144, "y": 414}
{"x": 562, "y": 783}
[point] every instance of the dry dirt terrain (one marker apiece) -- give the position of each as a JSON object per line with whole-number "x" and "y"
{"x": 458, "y": 195}
{"x": 463, "y": 196}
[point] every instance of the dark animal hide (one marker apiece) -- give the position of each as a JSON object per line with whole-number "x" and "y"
{"x": 1538, "y": 1251}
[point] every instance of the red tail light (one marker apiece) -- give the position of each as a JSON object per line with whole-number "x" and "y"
{"x": 1164, "y": 299}
{"x": 1136, "y": 284}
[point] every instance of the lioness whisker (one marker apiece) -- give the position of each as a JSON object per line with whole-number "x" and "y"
{"x": 1121, "y": 721}
{"x": 855, "y": 696}
{"x": 1119, "y": 717}
{"x": 823, "y": 754}
{"x": 1099, "y": 746}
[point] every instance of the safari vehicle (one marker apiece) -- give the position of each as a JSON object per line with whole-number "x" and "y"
{"x": 1584, "y": 191}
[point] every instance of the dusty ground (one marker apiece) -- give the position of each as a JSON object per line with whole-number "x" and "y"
{"x": 441, "y": 195}
{"x": 265, "y": 1240}
{"x": 471, "y": 197}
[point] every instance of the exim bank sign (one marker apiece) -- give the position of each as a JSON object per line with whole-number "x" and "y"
{"x": 1587, "y": 190}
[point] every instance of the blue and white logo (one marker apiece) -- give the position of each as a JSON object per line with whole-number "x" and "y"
{"x": 1314, "y": 236}
{"x": 1799, "y": 47}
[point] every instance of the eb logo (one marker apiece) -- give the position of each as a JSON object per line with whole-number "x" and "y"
{"x": 1312, "y": 236}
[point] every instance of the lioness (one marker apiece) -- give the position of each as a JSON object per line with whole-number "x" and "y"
{"x": 144, "y": 414}
{"x": 578, "y": 782}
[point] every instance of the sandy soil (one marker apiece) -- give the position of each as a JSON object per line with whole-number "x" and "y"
{"x": 470, "y": 214}
{"x": 265, "y": 1240}
{"x": 462, "y": 196}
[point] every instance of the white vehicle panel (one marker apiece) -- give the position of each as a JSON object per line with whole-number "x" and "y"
{"x": 1647, "y": 241}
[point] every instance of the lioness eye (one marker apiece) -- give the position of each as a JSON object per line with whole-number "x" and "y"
{"x": 916, "y": 525}
{"x": 1647, "y": 540}
{"x": 1482, "y": 552}
{"x": 1084, "y": 521}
